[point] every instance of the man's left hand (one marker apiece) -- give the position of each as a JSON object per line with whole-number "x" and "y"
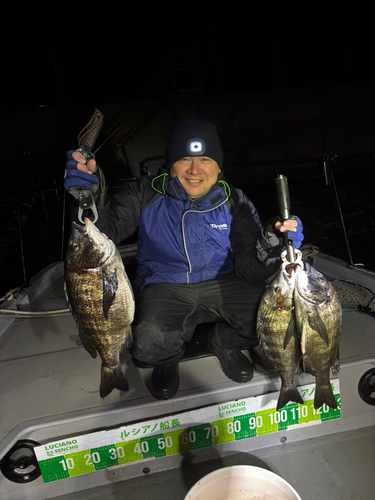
{"x": 293, "y": 228}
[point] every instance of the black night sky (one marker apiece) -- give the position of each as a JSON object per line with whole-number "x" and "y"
{"x": 63, "y": 55}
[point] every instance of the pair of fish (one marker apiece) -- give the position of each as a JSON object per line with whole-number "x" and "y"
{"x": 101, "y": 300}
{"x": 299, "y": 327}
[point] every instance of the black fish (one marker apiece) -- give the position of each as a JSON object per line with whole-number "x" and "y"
{"x": 101, "y": 300}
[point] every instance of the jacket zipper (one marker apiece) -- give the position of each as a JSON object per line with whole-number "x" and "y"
{"x": 183, "y": 232}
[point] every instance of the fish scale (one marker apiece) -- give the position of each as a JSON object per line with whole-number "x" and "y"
{"x": 101, "y": 300}
{"x": 276, "y": 333}
{"x": 318, "y": 324}
{"x": 299, "y": 319}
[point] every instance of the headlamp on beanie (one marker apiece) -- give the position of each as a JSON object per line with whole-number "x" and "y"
{"x": 193, "y": 137}
{"x": 196, "y": 147}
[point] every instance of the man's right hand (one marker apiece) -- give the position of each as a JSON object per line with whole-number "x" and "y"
{"x": 79, "y": 174}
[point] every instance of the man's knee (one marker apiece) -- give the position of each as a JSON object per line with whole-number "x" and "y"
{"x": 152, "y": 346}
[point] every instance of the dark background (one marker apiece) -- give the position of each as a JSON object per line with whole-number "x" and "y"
{"x": 74, "y": 54}
{"x": 66, "y": 59}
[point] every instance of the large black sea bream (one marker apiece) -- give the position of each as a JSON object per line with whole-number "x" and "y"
{"x": 299, "y": 326}
{"x": 101, "y": 300}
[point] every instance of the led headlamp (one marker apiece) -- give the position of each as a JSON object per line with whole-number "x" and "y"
{"x": 196, "y": 147}
{"x": 193, "y": 137}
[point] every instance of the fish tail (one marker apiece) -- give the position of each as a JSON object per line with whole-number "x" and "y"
{"x": 112, "y": 378}
{"x": 324, "y": 394}
{"x": 288, "y": 394}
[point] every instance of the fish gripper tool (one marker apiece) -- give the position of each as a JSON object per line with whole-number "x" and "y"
{"x": 287, "y": 265}
{"x": 86, "y": 140}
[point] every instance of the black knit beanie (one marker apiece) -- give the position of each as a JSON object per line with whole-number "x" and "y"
{"x": 193, "y": 137}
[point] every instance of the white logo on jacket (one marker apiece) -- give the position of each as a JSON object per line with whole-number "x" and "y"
{"x": 219, "y": 226}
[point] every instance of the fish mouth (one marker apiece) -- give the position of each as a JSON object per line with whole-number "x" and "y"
{"x": 81, "y": 229}
{"x": 90, "y": 231}
{"x": 289, "y": 271}
{"x": 86, "y": 228}
{"x": 84, "y": 231}
{"x": 291, "y": 268}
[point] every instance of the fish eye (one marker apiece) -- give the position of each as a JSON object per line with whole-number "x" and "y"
{"x": 277, "y": 289}
{"x": 75, "y": 247}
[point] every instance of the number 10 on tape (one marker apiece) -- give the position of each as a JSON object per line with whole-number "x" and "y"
{"x": 102, "y": 450}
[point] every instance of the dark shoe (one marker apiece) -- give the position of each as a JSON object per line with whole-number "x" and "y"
{"x": 234, "y": 364}
{"x": 164, "y": 381}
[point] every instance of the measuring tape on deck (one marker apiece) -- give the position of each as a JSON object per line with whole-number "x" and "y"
{"x": 180, "y": 433}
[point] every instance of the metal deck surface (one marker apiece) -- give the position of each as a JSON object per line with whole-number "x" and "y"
{"x": 49, "y": 389}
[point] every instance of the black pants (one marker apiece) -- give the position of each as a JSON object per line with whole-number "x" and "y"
{"x": 167, "y": 315}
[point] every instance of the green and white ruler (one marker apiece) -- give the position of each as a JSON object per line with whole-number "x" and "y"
{"x": 180, "y": 433}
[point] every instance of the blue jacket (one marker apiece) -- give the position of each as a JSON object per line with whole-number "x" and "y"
{"x": 184, "y": 242}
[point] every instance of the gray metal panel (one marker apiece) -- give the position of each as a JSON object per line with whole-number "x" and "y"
{"x": 49, "y": 388}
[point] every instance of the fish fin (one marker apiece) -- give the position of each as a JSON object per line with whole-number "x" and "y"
{"x": 67, "y": 298}
{"x": 288, "y": 394}
{"x": 299, "y": 369}
{"x": 110, "y": 285}
{"x": 316, "y": 323}
{"x": 335, "y": 368}
{"x": 262, "y": 357}
{"x": 69, "y": 304}
{"x": 298, "y": 359}
{"x": 86, "y": 344}
{"x": 324, "y": 394}
{"x": 298, "y": 325}
{"x": 266, "y": 363}
{"x": 112, "y": 378}
{"x": 307, "y": 368}
{"x": 128, "y": 341}
{"x": 290, "y": 332}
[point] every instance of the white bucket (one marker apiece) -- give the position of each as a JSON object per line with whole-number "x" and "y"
{"x": 242, "y": 482}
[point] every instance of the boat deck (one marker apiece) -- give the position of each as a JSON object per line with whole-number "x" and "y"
{"x": 49, "y": 391}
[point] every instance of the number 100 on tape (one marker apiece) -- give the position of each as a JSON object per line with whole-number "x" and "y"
{"x": 190, "y": 431}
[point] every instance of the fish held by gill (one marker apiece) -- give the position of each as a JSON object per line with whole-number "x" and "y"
{"x": 276, "y": 333}
{"x": 101, "y": 300}
{"x": 318, "y": 324}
